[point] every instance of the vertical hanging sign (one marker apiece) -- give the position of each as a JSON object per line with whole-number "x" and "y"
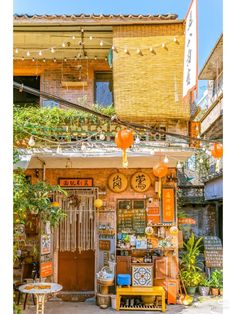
{"x": 190, "y": 52}
{"x": 168, "y": 205}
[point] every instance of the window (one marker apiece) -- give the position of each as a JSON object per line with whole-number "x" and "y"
{"x": 23, "y": 98}
{"x": 103, "y": 88}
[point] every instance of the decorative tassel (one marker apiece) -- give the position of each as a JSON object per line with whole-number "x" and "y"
{"x": 124, "y": 159}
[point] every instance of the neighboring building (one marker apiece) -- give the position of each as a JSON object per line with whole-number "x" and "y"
{"x": 212, "y": 127}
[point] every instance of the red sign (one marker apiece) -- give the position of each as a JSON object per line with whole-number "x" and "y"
{"x": 46, "y": 269}
{"x": 168, "y": 205}
{"x": 186, "y": 221}
{"x": 153, "y": 215}
{"x": 194, "y": 131}
{"x": 73, "y": 182}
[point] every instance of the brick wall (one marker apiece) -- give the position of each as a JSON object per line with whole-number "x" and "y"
{"x": 52, "y": 73}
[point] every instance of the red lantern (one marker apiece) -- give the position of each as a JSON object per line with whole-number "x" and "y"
{"x": 124, "y": 139}
{"x": 160, "y": 171}
{"x": 217, "y": 150}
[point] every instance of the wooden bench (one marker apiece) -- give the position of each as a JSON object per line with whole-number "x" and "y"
{"x": 139, "y": 291}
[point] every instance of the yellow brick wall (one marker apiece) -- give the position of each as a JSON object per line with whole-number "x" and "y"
{"x": 148, "y": 87}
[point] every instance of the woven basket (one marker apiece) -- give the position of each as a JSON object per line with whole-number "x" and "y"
{"x": 148, "y": 87}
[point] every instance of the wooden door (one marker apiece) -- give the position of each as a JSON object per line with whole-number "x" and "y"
{"x": 76, "y": 271}
{"x": 161, "y": 269}
{"x": 123, "y": 265}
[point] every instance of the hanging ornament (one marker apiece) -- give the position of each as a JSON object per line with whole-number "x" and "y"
{"x": 98, "y": 203}
{"x": 55, "y": 204}
{"x": 124, "y": 139}
{"x": 149, "y": 231}
{"x": 173, "y": 230}
{"x": 160, "y": 171}
{"x": 217, "y": 150}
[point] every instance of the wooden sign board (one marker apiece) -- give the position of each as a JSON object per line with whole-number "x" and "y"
{"x": 212, "y": 243}
{"x": 214, "y": 258}
{"x": 117, "y": 182}
{"x": 75, "y": 182}
{"x": 140, "y": 181}
{"x": 168, "y": 214}
{"x": 104, "y": 245}
{"x": 46, "y": 269}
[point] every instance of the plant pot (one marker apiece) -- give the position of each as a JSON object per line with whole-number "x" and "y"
{"x": 148, "y": 299}
{"x": 191, "y": 290}
{"x": 221, "y": 291}
{"x": 215, "y": 291}
{"x": 203, "y": 290}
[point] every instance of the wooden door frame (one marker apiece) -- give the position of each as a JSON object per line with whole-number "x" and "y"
{"x": 56, "y": 252}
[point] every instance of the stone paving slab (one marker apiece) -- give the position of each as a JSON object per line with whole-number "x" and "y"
{"x": 207, "y": 305}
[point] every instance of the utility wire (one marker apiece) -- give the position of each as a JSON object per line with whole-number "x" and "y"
{"x": 114, "y": 119}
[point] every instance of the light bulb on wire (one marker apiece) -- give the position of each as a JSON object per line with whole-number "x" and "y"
{"x": 137, "y": 140}
{"x": 83, "y": 147}
{"x": 59, "y": 150}
{"x": 102, "y": 136}
{"x": 52, "y": 50}
{"x": 90, "y": 37}
{"x": 31, "y": 141}
{"x": 166, "y": 160}
{"x": 178, "y": 166}
{"x": 28, "y": 53}
{"x": 63, "y": 45}
{"x": 40, "y": 53}
{"x": 16, "y": 50}
{"x": 152, "y": 152}
{"x": 101, "y": 43}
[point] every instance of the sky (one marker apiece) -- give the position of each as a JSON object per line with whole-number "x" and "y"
{"x": 210, "y": 14}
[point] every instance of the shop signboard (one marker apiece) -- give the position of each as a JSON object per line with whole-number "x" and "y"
{"x": 117, "y": 182}
{"x": 75, "y": 182}
{"x": 194, "y": 131}
{"x": 140, "y": 182}
{"x": 153, "y": 215}
{"x": 190, "y": 52}
{"x": 168, "y": 205}
{"x": 213, "y": 252}
{"x": 45, "y": 244}
{"x": 186, "y": 221}
{"x": 46, "y": 269}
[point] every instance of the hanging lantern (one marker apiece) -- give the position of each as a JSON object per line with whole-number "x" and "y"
{"x": 173, "y": 230}
{"x": 124, "y": 139}
{"x": 217, "y": 150}
{"x": 160, "y": 171}
{"x": 149, "y": 231}
{"x": 55, "y": 204}
{"x": 98, "y": 203}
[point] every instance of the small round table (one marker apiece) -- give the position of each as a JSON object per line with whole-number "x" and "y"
{"x": 40, "y": 290}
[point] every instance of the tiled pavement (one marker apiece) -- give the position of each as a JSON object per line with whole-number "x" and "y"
{"x": 207, "y": 305}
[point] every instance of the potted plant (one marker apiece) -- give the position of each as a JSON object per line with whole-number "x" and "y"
{"x": 216, "y": 282}
{"x": 191, "y": 280}
{"x": 204, "y": 286}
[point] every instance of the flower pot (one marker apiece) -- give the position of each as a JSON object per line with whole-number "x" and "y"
{"x": 191, "y": 290}
{"x": 148, "y": 299}
{"x": 221, "y": 291}
{"x": 215, "y": 291}
{"x": 203, "y": 290}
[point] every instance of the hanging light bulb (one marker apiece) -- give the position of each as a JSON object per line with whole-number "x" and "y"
{"x": 22, "y": 58}
{"x": 101, "y": 43}
{"x": 95, "y": 57}
{"x": 59, "y": 150}
{"x": 73, "y": 37}
{"x": 126, "y": 50}
{"x": 54, "y": 60}
{"x": 102, "y": 136}
{"x": 28, "y": 53}
{"x": 31, "y": 141}
{"x": 152, "y": 152}
{"x": 125, "y": 164}
{"x": 52, "y": 50}
{"x": 178, "y": 166}
{"x": 175, "y": 40}
{"x": 82, "y": 30}
{"x": 33, "y": 59}
{"x": 40, "y": 53}
{"x": 137, "y": 140}
{"x": 138, "y": 51}
{"x": 44, "y": 60}
{"x": 90, "y": 37}
{"x": 65, "y": 59}
{"x": 83, "y": 147}
{"x": 63, "y": 45}
{"x": 163, "y": 45}
{"x": 166, "y": 160}
{"x": 16, "y": 50}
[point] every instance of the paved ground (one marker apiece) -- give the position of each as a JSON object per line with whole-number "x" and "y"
{"x": 207, "y": 305}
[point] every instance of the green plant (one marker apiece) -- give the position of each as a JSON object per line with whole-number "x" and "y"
{"x": 191, "y": 278}
{"x": 190, "y": 253}
{"x": 205, "y": 282}
{"x": 216, "y": 280}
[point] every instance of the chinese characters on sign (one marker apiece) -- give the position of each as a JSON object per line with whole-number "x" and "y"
{"x": 190, "y": 53}
{"x": 153, "y": 215}
{"x": 186, "y": 221}
{"x": 140, "y": 182}
{"x": 79, "y": 182}
{"x": 168, "y": 205}
{"x": 46, "y": 269}
{"x": 117, "y": 182}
